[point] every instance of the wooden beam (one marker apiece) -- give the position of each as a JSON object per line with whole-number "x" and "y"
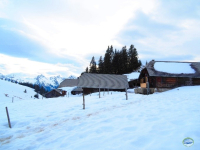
{"x": 8, "y": 117}
{"x": 83, "y": 100}
{"x": 126, "y": 94}
{"x": 99, "y": 93}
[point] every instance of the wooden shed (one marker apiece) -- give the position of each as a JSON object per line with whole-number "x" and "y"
{"x": 55, "y": 93}
{"x": 77, "y": 90}
{"x": 170, "y": 74}
{"x": 91, "y": 82}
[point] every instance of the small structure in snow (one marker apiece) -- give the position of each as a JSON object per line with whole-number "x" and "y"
{"x": 77, "y": 90}
{"x": 55, "y": 93}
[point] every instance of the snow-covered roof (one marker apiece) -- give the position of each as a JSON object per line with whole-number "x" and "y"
{"x": 174, "y": 69}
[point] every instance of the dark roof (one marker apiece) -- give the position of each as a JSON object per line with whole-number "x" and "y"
{"x": 152, "y": 72}
{"x": 57, "y": 90}
{"x": 68, "y": 83}
{"x": 109, "y": 81}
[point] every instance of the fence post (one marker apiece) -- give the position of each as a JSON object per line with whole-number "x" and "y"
{"x": 8, "y": 117}
{"x": 126, "y": 94}
{"x": 12, "y": 99}
{"x": 99, "y": 93}
{"x": 83, "y": 100}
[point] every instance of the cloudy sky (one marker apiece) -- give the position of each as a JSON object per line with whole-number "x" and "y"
{"x": 53, "y": 37}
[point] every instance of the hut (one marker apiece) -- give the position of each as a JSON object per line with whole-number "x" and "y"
{"x": 164, "y": 75}
{"x": 55, "y": 93}
{"x": 91, "y": 82}
{"x": 77, "y": 90}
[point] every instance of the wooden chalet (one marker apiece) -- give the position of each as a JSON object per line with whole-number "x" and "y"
{"x": 91, "y": 82}
{"x": 158, "y": 78}
{"x": 55, "y": 93}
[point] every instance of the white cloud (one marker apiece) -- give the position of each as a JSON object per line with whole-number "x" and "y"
{"x": 79, "y": 27}
{"x": 24, "y": 65}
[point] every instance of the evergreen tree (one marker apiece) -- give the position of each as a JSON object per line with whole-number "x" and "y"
{"x": 115, "y": 62}
{"x": 124, "y": 60}
{"x": 37, "y": 88}
{"x": 101, "y": 65}
{"x": 86, "y": 70}
{"x": 93, "y": 68}
{"x": 146, "y": 63}
{"x": 118, "y": 62}
{"x": 108, "y": 60}
{"x": 133, "y": 63}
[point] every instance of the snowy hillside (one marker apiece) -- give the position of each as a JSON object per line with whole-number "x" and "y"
{"x": 144, "y": 122}
{"x": 10, "y": 90}
{"x": 41, "y": 80}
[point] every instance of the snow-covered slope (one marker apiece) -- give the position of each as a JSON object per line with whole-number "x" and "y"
{"x": 9, "y": 90}
{"x": 143, "y": 122}
{"x": 41, "y": 80}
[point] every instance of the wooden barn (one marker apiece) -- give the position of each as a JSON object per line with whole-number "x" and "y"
{"x": 91, "y": 82}
{"x": 55, "y": 93}
{"x": 170, "y": 74}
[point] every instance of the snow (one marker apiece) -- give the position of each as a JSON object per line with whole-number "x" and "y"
{"x": 68, "y": 89}
{"x": 9, "y": 90}
{"x": 133, "y": 75}
{"x": 143, "y": 122}
{"x": 172, "y": 67}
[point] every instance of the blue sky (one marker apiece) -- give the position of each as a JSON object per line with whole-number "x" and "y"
{"x": 54, "y": 37}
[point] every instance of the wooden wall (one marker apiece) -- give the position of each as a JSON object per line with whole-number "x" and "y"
{"x": 171, "y": 82}
{"x": 52, "y": 94}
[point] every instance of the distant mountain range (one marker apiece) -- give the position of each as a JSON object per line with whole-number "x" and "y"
{"x": 48, "y": 83}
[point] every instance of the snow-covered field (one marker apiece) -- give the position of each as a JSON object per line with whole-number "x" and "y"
{"x": 143, "y": 122}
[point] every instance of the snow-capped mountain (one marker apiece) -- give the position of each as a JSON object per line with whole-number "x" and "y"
{"x": 47, "y": 82}
{"x": 72, "y": 77}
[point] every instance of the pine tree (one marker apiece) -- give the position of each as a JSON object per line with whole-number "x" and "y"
{"x": 93, "y": 68}
{"x": 115, "y": 62}
{"x": 86, "y": 70}
{"x": 124, "y": 60}
{"x": 108, "y": 60}
{"x": 101, "y": 65}
{"x": 133, "y": 63}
